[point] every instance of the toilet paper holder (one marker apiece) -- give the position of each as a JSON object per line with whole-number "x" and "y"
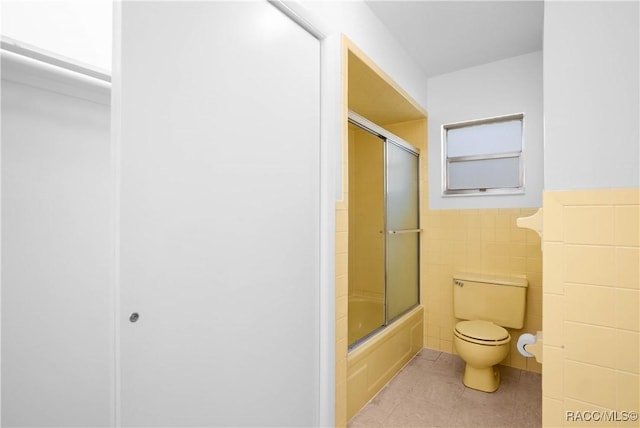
{"x": 530, "y": 345}
{"x": 533, "y": 222}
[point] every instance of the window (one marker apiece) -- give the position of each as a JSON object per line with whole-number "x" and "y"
{"x": 483, "y": 156}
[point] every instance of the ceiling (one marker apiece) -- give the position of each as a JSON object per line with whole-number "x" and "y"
{"x": 445, "y": 36}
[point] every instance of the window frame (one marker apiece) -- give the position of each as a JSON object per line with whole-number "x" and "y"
{"x": 446, "y": 160}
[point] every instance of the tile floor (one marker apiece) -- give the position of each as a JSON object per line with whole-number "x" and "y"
{"x": 428, "y": 392}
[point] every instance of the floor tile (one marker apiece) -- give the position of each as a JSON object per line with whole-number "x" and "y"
{"x": 468, "y": 412}
{"x": 428, "y": 392}
{"x": 414, "y": 412}
{"x": 428, "y": 354}
{"x": 439, "y": 388}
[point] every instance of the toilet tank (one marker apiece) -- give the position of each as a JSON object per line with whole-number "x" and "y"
{"x": 499, "y": 299}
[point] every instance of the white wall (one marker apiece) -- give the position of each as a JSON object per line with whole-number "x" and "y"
{"x": 57, "y": 313}
{"x": 512, "y": 85}
{"x": 591, "y": 95}
{"x": 74, "y": 29}
{"x": 356, "y": 21}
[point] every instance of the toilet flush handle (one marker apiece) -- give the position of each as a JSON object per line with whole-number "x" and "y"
{"x": 459, "y": 283}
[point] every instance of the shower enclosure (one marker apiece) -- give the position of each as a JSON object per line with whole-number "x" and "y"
{"x": 384, "y": 228}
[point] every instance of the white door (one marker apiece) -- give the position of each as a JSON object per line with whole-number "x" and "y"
{"x": 217, "y": 105}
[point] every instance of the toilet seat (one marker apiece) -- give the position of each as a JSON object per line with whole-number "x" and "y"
{"x": 482, "y": 333}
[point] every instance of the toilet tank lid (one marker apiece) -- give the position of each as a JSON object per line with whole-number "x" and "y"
{"x": 513, "y": 280}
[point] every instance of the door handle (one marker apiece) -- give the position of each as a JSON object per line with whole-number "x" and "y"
{"x": 394, "y": 232}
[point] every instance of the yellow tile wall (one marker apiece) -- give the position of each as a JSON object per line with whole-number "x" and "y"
{"x": 482, "y": 241}
{"x": 342, "y": 291}
{"x": 591, "y": 299}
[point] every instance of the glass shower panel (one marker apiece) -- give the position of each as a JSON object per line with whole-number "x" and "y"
{"x": 403, "y": 236}
{"x": 366, "y": 239}
{"x": 403, "y": 273}
{"x": 402, "y": 188}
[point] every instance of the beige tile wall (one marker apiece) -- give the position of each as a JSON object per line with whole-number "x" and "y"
{"x": 482, "y": 241}
{"x": 342, "y": 292}
{"x": 591, "y": 305}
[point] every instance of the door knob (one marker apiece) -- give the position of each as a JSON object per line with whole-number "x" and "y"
{"x": 134, "y": 317}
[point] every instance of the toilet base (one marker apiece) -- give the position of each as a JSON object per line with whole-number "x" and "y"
{"x": 485, "y": 379}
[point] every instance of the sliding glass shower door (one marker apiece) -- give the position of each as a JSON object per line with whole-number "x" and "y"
{"x": 403, "y": 229}
{"x": 384, "y": 228}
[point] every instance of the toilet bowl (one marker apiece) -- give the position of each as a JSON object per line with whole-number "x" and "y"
{"x": 486, "y": 304}
{"x": 481, "y": 345}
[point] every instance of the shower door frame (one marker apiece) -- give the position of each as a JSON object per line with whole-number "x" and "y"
{"x": 388, "y": 138}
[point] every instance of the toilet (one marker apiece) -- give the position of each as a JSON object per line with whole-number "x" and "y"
{"x": 486, "y": 305}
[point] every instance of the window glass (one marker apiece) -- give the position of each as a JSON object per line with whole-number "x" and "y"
{"x": 484, "y": 156}
{"x": 499, "y": 137}
{"x": 484, "y": 174}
